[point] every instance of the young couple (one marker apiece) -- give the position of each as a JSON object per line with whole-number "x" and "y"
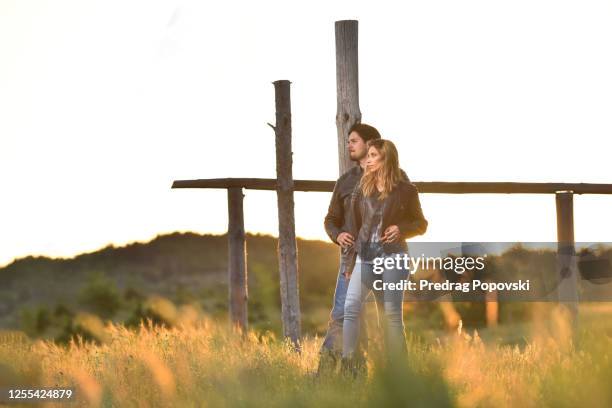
{"x": 373, "y": 210}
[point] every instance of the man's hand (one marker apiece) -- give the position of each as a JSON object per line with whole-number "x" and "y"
{"x": 391, "y": 234}
{"x": 345, "y": 240}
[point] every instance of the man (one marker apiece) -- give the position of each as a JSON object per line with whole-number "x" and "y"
{"x": 336, "y": 227}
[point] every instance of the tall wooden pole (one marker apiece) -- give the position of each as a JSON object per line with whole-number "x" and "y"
{"x": 287, "y": 248}
{"x": 237, "y": 272}
{"x": 347, "y": 87}
{"x": 567, "y": 265}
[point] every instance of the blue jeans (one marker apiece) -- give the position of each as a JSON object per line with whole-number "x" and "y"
{"x": 333, "y": 337}
{"x": 360, "y": 285}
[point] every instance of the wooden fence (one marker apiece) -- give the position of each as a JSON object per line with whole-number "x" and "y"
{"x": 347, "y": 114}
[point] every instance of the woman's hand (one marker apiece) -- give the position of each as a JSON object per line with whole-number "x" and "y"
{"x": 391, "y": 234}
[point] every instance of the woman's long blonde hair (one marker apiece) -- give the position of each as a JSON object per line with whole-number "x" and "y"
{"x": 389, "y": 173}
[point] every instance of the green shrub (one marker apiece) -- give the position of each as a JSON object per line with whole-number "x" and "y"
{"x": 100, "y": 295}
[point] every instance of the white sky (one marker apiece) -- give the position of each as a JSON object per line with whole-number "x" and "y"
{"x": 103, "y": 104}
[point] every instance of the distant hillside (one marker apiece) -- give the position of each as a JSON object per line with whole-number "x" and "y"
{"x": 183, "y": 267}
{"x": 47, "y": 297}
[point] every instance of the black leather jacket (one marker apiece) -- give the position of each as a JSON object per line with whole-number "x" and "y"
{"x": 336, "y": 220}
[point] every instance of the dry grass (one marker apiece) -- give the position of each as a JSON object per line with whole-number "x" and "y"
{"x": 202, "y": 363}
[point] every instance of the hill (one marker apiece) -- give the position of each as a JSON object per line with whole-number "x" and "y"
{"x": 182, "y": 267}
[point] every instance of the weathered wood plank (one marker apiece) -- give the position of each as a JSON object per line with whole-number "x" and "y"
{"x": 347, "y": 87}
{"x": 567, "y": 266}
{"x": 287, "y": 246}
{"x": 237, "y": 272}
{"x": 441, "y": 187}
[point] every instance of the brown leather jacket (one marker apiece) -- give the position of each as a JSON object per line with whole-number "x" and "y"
{"x": 403, "y": 208}
{"x": 337, "y": 217}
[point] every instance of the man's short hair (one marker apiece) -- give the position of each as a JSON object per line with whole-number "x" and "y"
{"x": 366, "y": 132}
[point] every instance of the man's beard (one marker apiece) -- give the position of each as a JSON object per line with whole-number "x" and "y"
{"x": 354, "y": 157}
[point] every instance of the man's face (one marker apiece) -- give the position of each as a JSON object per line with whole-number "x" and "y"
{"x": 356, "y": 146}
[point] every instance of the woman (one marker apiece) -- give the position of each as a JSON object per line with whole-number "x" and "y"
{"x": 385, "y": 211}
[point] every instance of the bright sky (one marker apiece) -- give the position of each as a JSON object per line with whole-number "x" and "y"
{"x": 103, "y": 104}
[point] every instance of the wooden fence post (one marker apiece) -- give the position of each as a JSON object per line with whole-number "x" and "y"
{"x": 287, "y": 248}
{"x": 567, "y": 265}
{"x": 237, "y": 273}
{"x": 347, "y": 87}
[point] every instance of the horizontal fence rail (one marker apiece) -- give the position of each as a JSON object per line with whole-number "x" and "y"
{"x": 440, "y": 187}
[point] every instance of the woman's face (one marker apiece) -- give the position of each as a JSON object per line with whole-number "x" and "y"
{"x": 374, "y": 160}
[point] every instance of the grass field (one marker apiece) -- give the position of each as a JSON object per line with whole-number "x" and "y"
{"x": 203, "y": 363}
